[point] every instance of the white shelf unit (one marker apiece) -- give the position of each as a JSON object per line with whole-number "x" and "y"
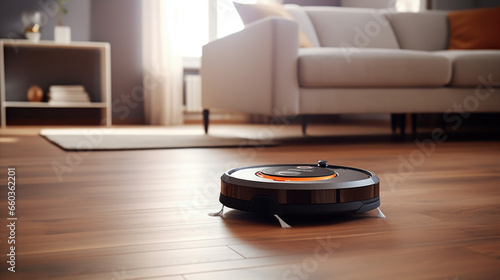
{"x": 24, "y": 63}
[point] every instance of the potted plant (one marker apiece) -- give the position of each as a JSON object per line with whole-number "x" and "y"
{"x": 62, "y": 33}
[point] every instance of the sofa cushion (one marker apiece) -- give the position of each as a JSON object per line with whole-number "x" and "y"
{"x": 329, "y": 67}
{"x": 469, "y": 65}
{"x": 475, "y": 29}
{"x": 354, "y": 27}
{"x": 425, "y": 31}
{"x": 305, "y": 24}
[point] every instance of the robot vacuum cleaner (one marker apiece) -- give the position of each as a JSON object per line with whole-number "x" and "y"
{"x": 292, "y": 189}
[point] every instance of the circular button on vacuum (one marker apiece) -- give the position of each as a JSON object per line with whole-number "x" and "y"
{"x": 322, "y": 163}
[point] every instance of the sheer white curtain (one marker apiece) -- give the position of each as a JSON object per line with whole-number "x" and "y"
{"x": 162, "y": 64}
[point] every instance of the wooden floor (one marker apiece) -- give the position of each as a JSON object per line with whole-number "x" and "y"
{"x": 143, "y": 214}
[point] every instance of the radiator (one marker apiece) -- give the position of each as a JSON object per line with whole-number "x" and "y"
{"x": 193, "y": 93}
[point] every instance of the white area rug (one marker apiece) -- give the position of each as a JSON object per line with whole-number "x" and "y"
{"x": 135, "y": 139}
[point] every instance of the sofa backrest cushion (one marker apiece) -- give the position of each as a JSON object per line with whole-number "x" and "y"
{"x": 352, "y": 27}
{"x": 305, "y": 24}
{"x": 424, "y": 31}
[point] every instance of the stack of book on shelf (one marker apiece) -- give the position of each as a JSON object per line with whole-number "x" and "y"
{"x": 68, "y": 94}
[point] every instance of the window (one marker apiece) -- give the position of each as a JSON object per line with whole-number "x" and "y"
{"x": 193, "y": 25}
{"x": 410, "y": 5}
{"x": 201, "y": 21}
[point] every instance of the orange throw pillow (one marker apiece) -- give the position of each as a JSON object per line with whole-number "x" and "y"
{"x": 475, "y": 29}
{"x": 252, "y": 12}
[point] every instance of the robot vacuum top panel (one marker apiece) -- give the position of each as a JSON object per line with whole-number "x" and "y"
{"x": 300, "y": 177}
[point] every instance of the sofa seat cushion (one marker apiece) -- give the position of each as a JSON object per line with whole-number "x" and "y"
{"x": 342, "y": 67}
{"x": 468, "y": 66}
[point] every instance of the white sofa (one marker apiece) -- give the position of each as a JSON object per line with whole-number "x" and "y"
{"x": 363, "y": 61}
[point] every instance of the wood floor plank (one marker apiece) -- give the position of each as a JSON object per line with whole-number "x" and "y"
{"x": 190, "y": 268}
{"x": 165, "y": 259}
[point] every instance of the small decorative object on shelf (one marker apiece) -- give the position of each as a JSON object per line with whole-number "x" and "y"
{"x": 33, "y": 33}
{"x": 34, "y": 94}
{"x": 32, "y": 22}
{"x": 68, "y": 94}
{"x": 62, "y": 33}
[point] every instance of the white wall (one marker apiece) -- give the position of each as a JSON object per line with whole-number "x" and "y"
{"x": 452, "y": 4}
{"x": 119, "y": 23}
{"x": 436, "y": 4}
{"x": 463, "y": 4}
{"x": 78, "y": 18}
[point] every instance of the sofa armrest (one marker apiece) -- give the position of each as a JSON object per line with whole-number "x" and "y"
{"x": 254, "y": 70}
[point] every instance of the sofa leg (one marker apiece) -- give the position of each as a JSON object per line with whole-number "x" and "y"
{"x": 402, "y": 119}
{"x": 206, "y": 112}
{"x": 398, "y": 120}
{"x": 414, "y": 118}
{"x": 304, "y": 124}
{"x": 394, "y": 122}
{"x": 442, "y": 123}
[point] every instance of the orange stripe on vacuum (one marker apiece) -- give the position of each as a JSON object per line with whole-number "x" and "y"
{"x": 298, "y": 179}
